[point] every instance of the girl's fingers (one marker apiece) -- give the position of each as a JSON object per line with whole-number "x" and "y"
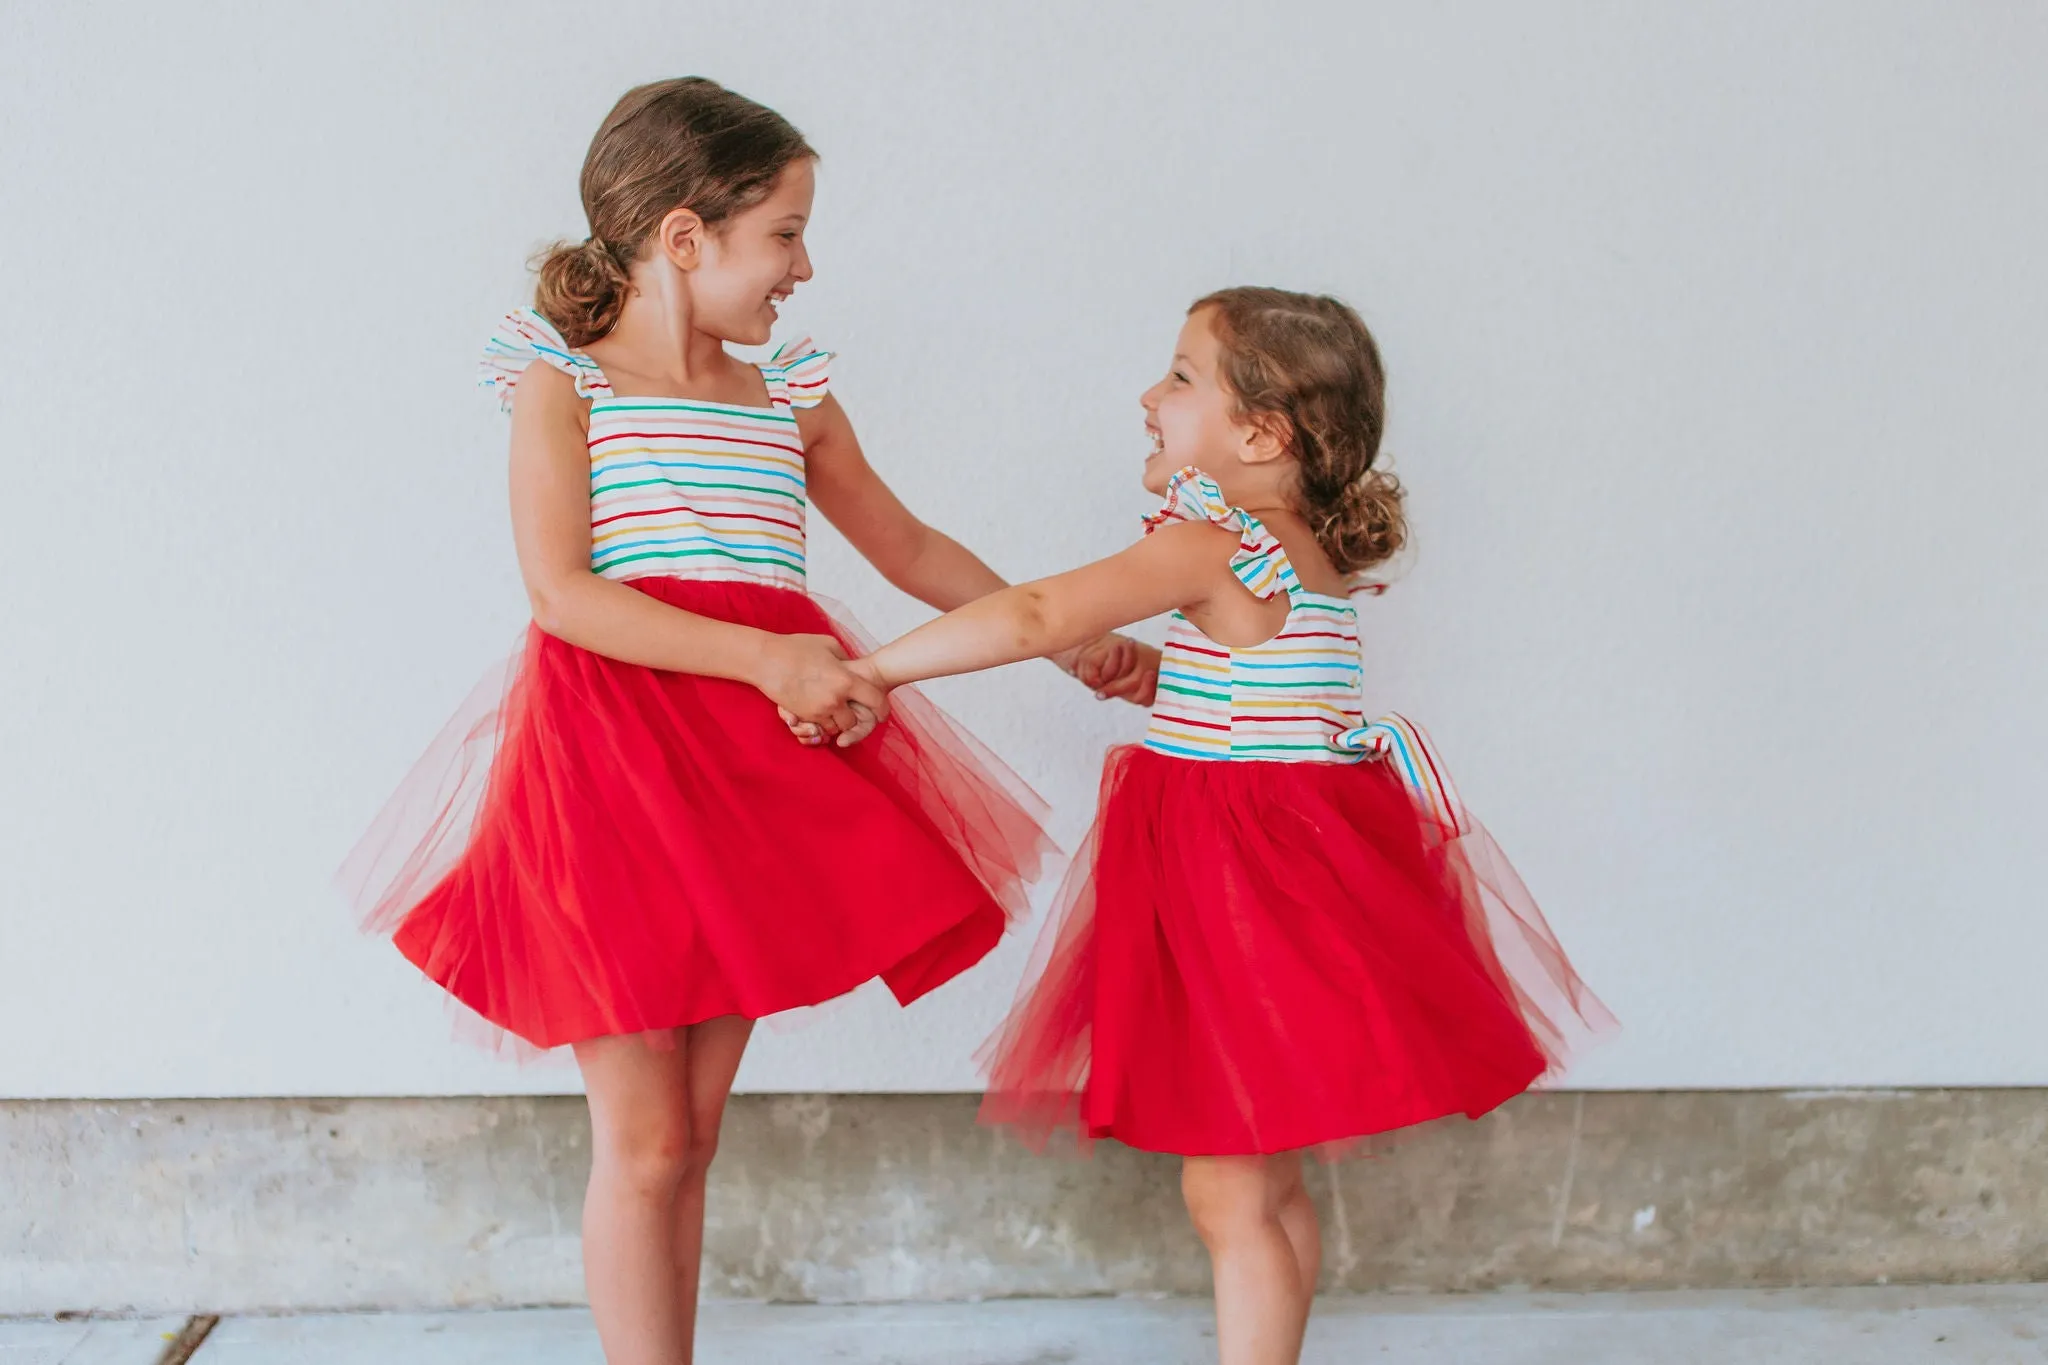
{"x": 805, "y": 732}
{"x": 868, "y": 721}
{"x": 1135, "y": 685}
{"x": 1088, "y": 667}
{"x": 1104, "y": 660}
{"x": 867, "y": 694}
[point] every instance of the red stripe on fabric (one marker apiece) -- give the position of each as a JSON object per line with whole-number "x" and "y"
{"x": 695, "y": 512}
{"x": 1333, "y": 724}
{"x": 1197, "y": 649}
{"x": 1436, "y": 774}
{"x": 597, "y": 441}
{"x": 1186, "y": 720}
{"x": 1315, "y": 635}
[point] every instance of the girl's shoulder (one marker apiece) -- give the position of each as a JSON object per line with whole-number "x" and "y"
{"x": 1312, "y": 566}
{"x": 1260, "y": 561}
{"x": 524, "y": 338}
{"x": 1268, "y": 558}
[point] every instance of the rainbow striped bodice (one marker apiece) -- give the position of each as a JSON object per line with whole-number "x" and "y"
{"x": 681, "y": 488}
{"x": 1290, "y": 699}
{"x": 1286, "y": 700}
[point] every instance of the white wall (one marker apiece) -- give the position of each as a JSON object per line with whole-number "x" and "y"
{"x": 1719, "y": 373}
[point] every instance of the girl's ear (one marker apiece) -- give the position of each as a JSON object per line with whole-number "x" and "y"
{"x": 680, "y": 238}
{"x": 1264, "y": 438}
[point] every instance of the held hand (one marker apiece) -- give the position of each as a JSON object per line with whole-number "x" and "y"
{"x": 1106, "y": 656}
{"x": 808, "y": 679}
{"x": 869, "y": 720}
{"x": 813, "y": 735}
{"x": 1115, "y": 666}
{"x": 1139, "y": 683}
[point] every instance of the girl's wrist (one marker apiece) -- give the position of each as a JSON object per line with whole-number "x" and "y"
{"x": 760, "y": 664}
{"x": 878, "y": 668}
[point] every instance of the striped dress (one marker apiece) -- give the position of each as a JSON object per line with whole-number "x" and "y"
{"x": 1293, "y": 699}
{"x": 597, "y": 847}
{"x": 1284, "y": 930}
{"x": 682, "y": 488}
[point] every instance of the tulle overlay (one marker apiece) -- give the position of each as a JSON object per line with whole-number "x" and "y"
{"x": 595, "y": 848}
{"x": 1255, "y": 957}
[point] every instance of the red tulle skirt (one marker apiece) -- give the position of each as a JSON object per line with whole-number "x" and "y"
{"x": 595, "y": 847}
{"x": 1256, "y": 957}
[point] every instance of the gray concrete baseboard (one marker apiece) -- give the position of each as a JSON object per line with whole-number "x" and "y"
{"x": 254, "y": 1205}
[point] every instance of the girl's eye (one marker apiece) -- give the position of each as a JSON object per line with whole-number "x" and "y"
{"x": 1180, "y": 377}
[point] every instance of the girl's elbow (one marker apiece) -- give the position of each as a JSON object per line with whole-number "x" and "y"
{"x": 552, "y": 602}
{"x": 901, "y": 576}
{"x": 899, "y": 560}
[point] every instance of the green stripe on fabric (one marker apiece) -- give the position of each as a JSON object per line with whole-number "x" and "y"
{"x": 1191, "y": 692}
{"x": 695, "y": 554}
{"x": 597, "y": 490}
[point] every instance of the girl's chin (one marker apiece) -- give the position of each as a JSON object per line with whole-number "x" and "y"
{"x": 745, "y": 329}
{"x": 1159, "y": 472}
{"x": 741, "y": 334}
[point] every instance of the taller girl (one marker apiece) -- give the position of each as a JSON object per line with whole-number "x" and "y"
{"x": 651, "y": 863}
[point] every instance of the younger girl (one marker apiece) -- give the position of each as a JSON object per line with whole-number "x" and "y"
{"x": 1272, "y": 942}
{"x": 651, "y": 864}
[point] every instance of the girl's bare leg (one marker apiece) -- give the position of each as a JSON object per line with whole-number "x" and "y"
{"x": 1298, "y": 1216}
{"x": 639, "y": 1147}
{"x": 714, "y": 1048}
{"x": 1262, "y": 1302}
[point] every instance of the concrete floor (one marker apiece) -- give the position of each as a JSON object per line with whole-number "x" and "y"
{"x": 1956, "y": 1326}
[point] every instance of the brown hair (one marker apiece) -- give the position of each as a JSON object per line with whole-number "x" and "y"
{"x": 1308, "y": 361}
{"x": 680, "y": 143}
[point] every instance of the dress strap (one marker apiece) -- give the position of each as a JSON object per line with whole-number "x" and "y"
{"x": 799, "y": 374}
{"x": 1260, "y": 562}
{"x": 1397, "y": 740}
{"x": 522, "y": 338}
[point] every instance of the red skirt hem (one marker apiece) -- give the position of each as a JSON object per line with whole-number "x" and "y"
{"x": 1259, "y": 957}
{"x": 596, "y": 848}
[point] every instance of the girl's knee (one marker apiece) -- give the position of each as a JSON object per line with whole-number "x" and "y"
{"x": 650, "y": 1156}
{"x": 1289, "y": 1185}
{"x": 699, "y": 1150}
{"x": 1228, "y": 1194}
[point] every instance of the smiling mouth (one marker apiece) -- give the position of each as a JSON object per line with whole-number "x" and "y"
{"x": 1158, "y": 443}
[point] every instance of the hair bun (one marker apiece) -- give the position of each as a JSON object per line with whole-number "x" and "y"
{"x": 581, "y": 289}
{"x": 1368, "y": 525}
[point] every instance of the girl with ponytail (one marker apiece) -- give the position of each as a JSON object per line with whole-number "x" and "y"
{"x": 627, "y": 855}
